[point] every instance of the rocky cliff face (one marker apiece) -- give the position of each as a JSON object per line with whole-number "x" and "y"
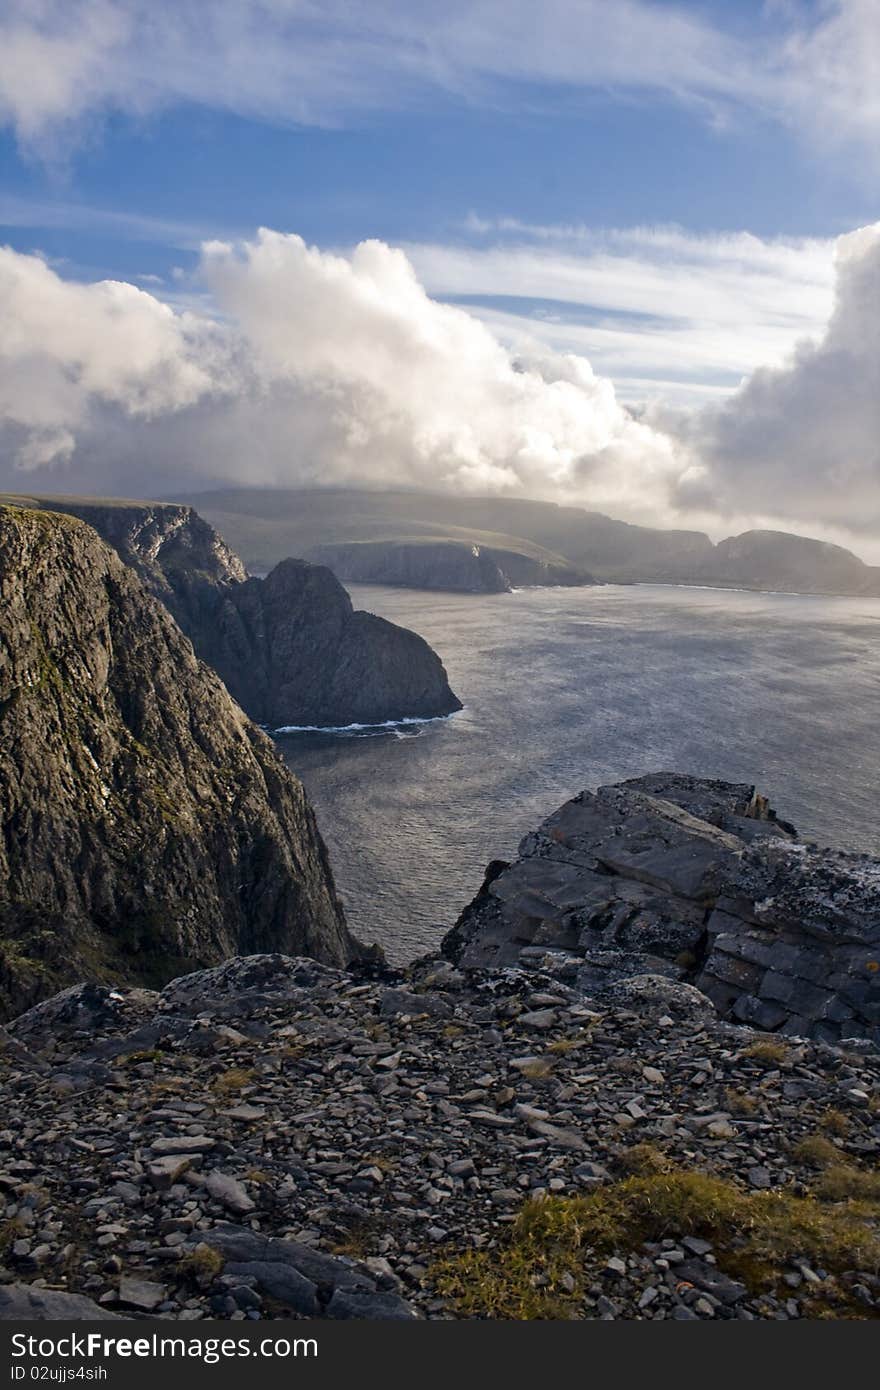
{"x": 265, "y": 524}
{"x": 294, "y": 651}
{"x": 693, "y": 880}
{"x": 147, "y": 825}
{"x": 291, "y": 648}
{"x": 797, "y": 564}
{"x": 446, "y": 565}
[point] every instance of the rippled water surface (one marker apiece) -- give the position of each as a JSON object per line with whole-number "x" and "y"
{"x": 570, "y": 688}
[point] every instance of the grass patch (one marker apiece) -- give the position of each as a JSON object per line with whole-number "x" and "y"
{"x": 835, "y": 1122}
{"x": 555, "y": 1246}
{"x": 200, "y": 1265}
{"x": 539, "y": 1070}
{"x": 816, "y": 1151}
{"x": 842, "y": 1182}
{"x": 151, "y": 1054}
{"x": 740, "y": 1102}
{"x": 768, "y": 1052}
{"x": 643, "y": 1160}
{"x": 564, "y": 1045}
{"x": 227, "y": 1083}
{"x": 10, "y": 1231}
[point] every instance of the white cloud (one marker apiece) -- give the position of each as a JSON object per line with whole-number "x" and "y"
{"x": 420, "y": 391}
{"x": 803, "y": 440}
{"x": 812, "y": 66}
{"x": 657, "y": 309}
{"x": 66, "y": 348}
{"x": 310, "y": 366}
{"x": 317, "y": 366}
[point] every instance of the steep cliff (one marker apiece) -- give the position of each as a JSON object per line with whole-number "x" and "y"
{"x": 294, "y": 651}
{"x": 796, "y": 564}
{"x": 291, "y": 648}
{"x": 448, "y": 565}
{"x": 146, "y": 825}
{"x": 264, "y": 524}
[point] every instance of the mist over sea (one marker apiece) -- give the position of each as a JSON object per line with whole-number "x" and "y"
{"x": 571, "y": 688}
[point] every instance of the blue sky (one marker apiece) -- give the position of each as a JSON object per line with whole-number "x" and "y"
{"x": 414, "y": 170}
{"x": 655, "y": 187}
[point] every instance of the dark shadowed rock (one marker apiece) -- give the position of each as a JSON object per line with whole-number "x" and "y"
{"x": 294, "y": 651}
{"x": 147, "y": 825}
{"x": 377, "y": 1307}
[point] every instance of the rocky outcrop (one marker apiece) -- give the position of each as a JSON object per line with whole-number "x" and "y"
{"x": 274, "y": 1137}
{"x": 294, "y": 651}
{"x": 693, "y": 880}
{"x": 795, "y": 564}
{"x": 291, "y": 648}
{"x": 177, "y": 556}
{"x": 447, "y": 565}
{"x": 146, "y": 825}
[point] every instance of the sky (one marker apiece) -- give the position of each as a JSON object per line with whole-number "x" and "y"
{"x": 625, "y": 255}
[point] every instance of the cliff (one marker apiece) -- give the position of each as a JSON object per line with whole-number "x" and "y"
{"x": 446, "y": 565}
{"x": 264, "y": 524}
{"x": 795, "y": 564}
{"x": 695, "y": 881}
{"x": 290, "y": 648}
{"x": 293, "y": 650}
{"x": 147, "y": 826}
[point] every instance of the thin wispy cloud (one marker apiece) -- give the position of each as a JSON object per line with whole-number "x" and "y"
{"x": 812, "y": 66}
{"x": 122, "y": 224}
{"x": 652, "y": 307}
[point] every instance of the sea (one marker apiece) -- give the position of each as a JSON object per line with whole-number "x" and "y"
{"x": 571, "y": 688}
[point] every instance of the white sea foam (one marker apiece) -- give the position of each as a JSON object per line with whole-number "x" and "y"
{"x": 360, "y": 728}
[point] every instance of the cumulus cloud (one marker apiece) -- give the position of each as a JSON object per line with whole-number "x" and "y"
{"x": 813, "y": 65}
{"x": 317, "y": 367}
{"x": 803, "y": 440}
{"x": 423, "y": 390}
{"x": 68, "y": 349}
{"x": 308, "y": 366}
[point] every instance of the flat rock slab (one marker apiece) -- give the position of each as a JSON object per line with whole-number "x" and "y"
{"x": 376, "y": 1307}
{"x": 141, "y": 1293}
{"x": 184, "y": 1144}
{"x": 229, "y": 1191}
{"x": 164, "y": 1172}
{"x": 281, "y": 1282}
{"x": 22, "y": 1302}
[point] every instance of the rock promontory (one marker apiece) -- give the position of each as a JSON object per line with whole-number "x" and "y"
{"x": 449, "y": 565}
{"x": 696, "y": 881}
{"x": 146, "y": 825}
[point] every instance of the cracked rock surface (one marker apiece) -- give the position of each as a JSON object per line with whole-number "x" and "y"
{"x": 698, "y": 881}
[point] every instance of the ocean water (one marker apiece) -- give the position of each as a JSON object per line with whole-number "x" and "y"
{"x": 571, "y": 688}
